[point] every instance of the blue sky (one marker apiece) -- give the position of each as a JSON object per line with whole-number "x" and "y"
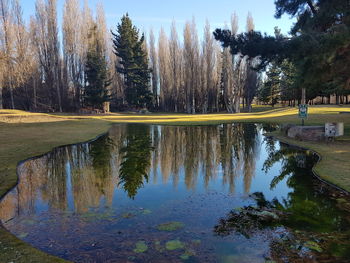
{"x": 159, "y": 13}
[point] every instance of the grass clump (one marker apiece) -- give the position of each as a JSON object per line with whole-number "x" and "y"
{"x": 141, "y": 247}
{"x": 313, "y": 246}
{"x": 174, "y": 245}
{"x": 170, "y": 226}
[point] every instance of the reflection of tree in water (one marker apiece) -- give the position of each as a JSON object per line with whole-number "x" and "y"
{"x": 82, "y": 176}
{"x": 308, "y": 205}
{"x": 309, "y": 214}
{"x": 100, "y": 152}
{"x": 136, "y": 159}
{"x": 238, "y": 153}
{"x": 56, "y": 196}
{"x": 250, "y": 153}
{"x": 200, "y": 151}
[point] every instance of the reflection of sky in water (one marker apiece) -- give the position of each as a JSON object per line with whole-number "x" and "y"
{"x": 196, "y": 175}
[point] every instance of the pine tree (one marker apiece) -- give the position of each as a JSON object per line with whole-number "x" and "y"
{"x": 133, "y": 63}
{"x": 271, "y": 89}
{"x": 97, "y": 80}
{"x": 318, "y": 48}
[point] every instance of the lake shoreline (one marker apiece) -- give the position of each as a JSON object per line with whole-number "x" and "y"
{"x": 69, "y": 133}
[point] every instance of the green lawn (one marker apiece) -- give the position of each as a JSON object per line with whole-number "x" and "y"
{"x": 24, "y": 135}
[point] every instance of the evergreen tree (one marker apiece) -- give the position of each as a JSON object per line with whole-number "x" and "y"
{"x": 133, "y": 63}
{"x": 271, "y": 89}
{"x": 263, "y": 94}
{"x": 288, "y": 84}
{"x": 97, "y": 80}
{"x": 319, "y": 47}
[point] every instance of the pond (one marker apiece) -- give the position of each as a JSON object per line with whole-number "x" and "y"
{"x": 141, "y": 193}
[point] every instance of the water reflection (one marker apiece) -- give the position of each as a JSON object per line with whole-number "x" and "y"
{"x": 82, "y": 176}
{"x": 136, "y": 156}
{"x": 312, "y": 217}
{"x": 115, "y": 191}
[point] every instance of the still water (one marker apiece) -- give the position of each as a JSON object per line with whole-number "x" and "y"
{"x": 143, "y": 193}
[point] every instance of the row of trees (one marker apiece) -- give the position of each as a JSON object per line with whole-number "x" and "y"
{"x": 86, "y": 65}
{"x": 199, "y": 76}
{"x": 314, "y": 58}
{"x": 38, "y": 71}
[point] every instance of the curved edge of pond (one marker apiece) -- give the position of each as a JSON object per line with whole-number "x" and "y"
{"x": 319, "y": 159}
{"x": 45, "y": 257}
{"x": 54, "y": 148}
{"x": 13, "y": 240}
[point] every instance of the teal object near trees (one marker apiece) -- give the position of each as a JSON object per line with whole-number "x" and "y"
{"x": 303, "y": 111}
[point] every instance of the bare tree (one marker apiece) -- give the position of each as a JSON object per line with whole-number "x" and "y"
{"x": 54, "y": 47}
{"x": 102, "y": 32}
{"x": 175, "y": 67}
{"x": 47, "y": 44}
{"x": 230, "y": 90}
{"x": 217, "y": 73}
{"x": 72, "y": 54}
{"x": 164, "y": 70}
{"x": 250, "y": 23}
{"x": 154, "y": 67}
{"x": 251, "y": 81}
{"x": 209, "y": 56}
{"x": 23, "y": 57}
{"x": 191, "y": 63}
{"x": 7, "y": 45}
{"x": 87, "y": 22}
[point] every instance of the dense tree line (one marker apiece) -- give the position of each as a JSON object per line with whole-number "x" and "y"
{"x": 88, "y": 67}
{"x": 318, "y": 50}
{"x": 201, "y": 77}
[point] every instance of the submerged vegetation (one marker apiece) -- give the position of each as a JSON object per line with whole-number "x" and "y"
{"x": 141, "y": 247}
{"x": 171, "y": 226}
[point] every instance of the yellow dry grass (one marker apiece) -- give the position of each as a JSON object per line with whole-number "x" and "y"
{"x": 15, "y": 116}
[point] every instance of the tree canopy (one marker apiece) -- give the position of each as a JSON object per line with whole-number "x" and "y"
{"x": 132, "y": 63}
{"x": 97, "y": 80}
{"x": 319, "y": 45}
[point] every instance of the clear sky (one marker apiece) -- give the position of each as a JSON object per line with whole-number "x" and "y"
{"x": 147, "y": 14}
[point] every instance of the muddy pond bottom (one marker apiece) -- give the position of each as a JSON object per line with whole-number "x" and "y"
{"x": 144, "y": 193}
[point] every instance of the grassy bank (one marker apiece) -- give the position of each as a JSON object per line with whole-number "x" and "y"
{"x": 20, "y": 141}
{"x": 24, "y": 135}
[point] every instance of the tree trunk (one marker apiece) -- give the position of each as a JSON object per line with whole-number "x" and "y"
{"x": 11, "y": 94}
{"x": 303, "y": 96}
{"x": 34, "y": 94}
{"x": 58, "y": 92}
{"x": 1, "y": 106}
{"x": 238, "y": 104}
